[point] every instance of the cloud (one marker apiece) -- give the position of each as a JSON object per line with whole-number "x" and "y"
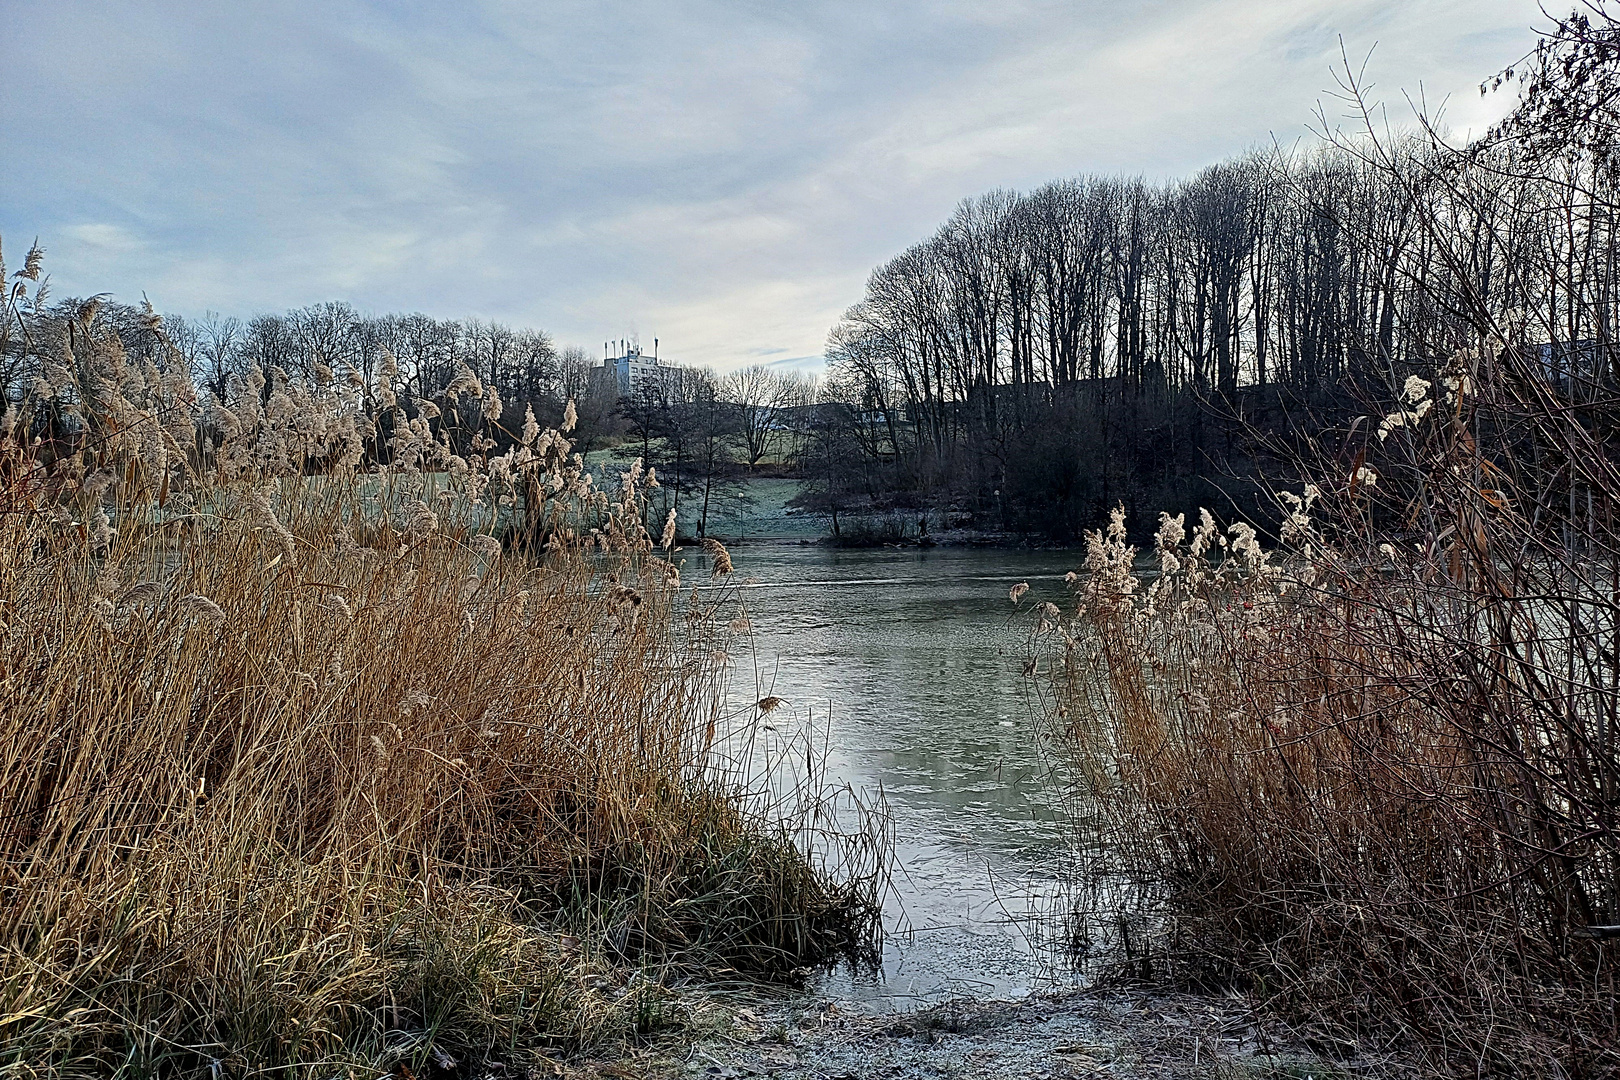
{"x": 102, "y": 237}
{"x": 807, "y": 365}
{"x": 721, "y": 174}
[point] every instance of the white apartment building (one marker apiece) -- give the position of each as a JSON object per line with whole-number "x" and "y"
{"x": 633, "y": 369}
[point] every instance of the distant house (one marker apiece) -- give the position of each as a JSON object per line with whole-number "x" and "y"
{"x": 634, "y": 371}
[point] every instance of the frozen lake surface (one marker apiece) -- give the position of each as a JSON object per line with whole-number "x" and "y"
{"x": 904, "y": 666}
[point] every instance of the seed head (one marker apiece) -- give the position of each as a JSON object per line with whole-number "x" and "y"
{"x": 465, "y": 382}
{"x": 717, "y": 552}
{"x": 204, "y": 607}
{"x": 97, "y": 482}
{"x": 142, "y": 593}
{"x": 32, "y": 262}
{"x": 101, "y": 530}
{"x": 423, "y": 520}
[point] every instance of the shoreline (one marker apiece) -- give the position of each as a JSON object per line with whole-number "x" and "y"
{"x": 1115, "y": 1031}
{"x": 955, "y": 538}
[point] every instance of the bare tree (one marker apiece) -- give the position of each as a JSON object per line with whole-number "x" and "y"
{"x": 220, "y": 354}
{"x": 759, "y": 395}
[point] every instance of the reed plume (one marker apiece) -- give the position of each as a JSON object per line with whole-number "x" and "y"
{"x": 719, "y": 557}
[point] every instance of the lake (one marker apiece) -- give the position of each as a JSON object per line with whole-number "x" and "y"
{"x": 903, "y": 668}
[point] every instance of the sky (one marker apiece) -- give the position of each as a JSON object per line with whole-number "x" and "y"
{"x": 720, "y": 175}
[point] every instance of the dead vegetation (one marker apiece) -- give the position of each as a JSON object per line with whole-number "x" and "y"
{"x": 323, "y": 747}
{"x": 1370, "y": 773}
{"x": 1372, "y": 778}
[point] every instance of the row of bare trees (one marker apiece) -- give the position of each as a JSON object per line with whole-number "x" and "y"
{"x": 426, "y": 354}
{"x": 704, "y": 432}
{"x": 526, "y": 365}
{"x": 1046, "y": 353}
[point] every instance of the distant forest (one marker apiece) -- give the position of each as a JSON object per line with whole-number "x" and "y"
{"x": 703, "y": 432}
{"x": 1046, "y": 355}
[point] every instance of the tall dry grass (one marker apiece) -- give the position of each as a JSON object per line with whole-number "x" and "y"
{"x": 1372, "y": 777}
{"x": 323, "y": 747}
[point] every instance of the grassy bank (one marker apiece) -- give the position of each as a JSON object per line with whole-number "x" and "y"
{"x": 305, "y": 773}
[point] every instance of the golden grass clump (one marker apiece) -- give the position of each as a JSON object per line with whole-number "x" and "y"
{"x": 301, "y": 767}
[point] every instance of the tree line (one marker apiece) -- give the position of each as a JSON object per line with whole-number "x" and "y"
{"x": 702, "y": 431}
{"x": 1041, "y": 357}
{"x": 1046, "y": 354}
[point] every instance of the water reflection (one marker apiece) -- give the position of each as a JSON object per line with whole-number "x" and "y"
{"x": 905, "y": 664}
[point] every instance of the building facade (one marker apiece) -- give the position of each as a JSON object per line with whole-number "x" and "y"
{"x": 634, "y": 371}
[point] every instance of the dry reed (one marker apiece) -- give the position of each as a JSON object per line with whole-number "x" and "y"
{"x": 1372, "y": 780}
{"x": 302, "y": 769}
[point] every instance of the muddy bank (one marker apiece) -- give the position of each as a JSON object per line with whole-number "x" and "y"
{"x": 1093, "y": 1033}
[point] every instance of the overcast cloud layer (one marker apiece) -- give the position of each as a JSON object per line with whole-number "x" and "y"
{"x": 720, "y": 175}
